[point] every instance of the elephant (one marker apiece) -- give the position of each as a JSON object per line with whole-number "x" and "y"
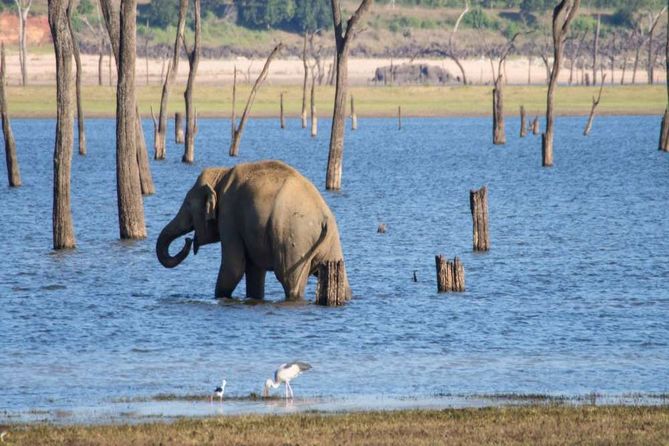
{"x": 267, "y": 217}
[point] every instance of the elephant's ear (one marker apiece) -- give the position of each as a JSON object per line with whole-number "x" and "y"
{"x": 210, "y": 202}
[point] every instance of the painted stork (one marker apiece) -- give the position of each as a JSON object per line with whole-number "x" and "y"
{"x": 285, "y": 374}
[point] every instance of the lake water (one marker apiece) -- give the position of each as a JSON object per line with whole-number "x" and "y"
{"x": 572, "y": 298}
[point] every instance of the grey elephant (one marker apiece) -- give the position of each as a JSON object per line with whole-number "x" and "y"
{"x": 267, "y": 217}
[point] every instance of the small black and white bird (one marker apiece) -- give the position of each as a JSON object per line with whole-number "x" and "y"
{"x": 219, "y": 392}
{"x": 285, "y": 374}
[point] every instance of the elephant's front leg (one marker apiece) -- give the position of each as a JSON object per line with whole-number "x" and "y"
{"x": 231, "y": 271}
{"x": 255, "y": 281}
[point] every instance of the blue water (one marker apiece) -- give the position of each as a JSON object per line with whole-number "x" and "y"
{"x": 571, "y": 299}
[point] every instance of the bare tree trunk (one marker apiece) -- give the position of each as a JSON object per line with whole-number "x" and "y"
{"x": 146, "y": 52}
{"x": 193, "y": 61}
{"x": 109, "y": 65}
{"x": 314, "y": 118}
{"x": 595, "y": 103}
{"x": 172, "y": 71}
{"x": 233, "y": 117}
{"x": 81, "y": 131}
{"x": 563, "y": 14}
{"x": 664, "y": 128}
{"x": 636, "y": 64}
{"x": 237, "y": 133}
{"x": 303, "y": 115}
{"x": 123, "y": 36}
{"x": 478, "y": 205}
{"x": 63, "y": 228}
{"x": 399, "y": 117}
{"x": 354, "y": 117}
{"x": 523, "y": 125}
{"x": 23, "y": 7}
{"x": 13, "y": 172}
{"x": 145, "y": 178}
{"x": 178, "y": 128}
{"x": 622, "y": 78}
{"x": 595, "y": 50}
{"x": 498, "y": 133}
{"x": 343, "y": 41}
{"x": 282, "y": 119}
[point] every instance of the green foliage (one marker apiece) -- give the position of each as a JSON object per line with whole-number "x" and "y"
{"x": 511, "y": 30}
{"x": 160, "y": 13}
{"x": 478, "y": 19}
{"x": 583, "y": 23}
{"x": 292, "y": 15}
{"x": 85, "y": 7}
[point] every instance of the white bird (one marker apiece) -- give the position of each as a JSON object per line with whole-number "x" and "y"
{"x": 219, "y": 392}
{"x": 284, "y": 374}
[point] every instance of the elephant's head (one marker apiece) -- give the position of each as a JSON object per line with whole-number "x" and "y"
{"x": 198, "y": 212}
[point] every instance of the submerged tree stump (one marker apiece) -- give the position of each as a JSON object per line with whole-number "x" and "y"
{"x": 593, "y": 109}
{"x": 399, "y": 117}
{"x": 535, "y": 126}
{"x": 523, "y": 125}
{"x": 331, "y": 289}
{"x": 498, "y": 133}
{"x": 450, "y": 275}
{"x": 282, "y": 119}
{"x": 664, "y": 132}
{"x": 178, "y": 128}
{"x": 478, "y": 203}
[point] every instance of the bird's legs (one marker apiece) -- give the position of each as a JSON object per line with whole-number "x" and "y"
{"x": 290, "y": 388}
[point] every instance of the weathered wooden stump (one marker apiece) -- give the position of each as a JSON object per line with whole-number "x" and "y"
{"x": 478, "y": 203}
{"x": 331, "y": 289}
{"x": 354, "y": 117}
{"x": 498, "y": 133}
{"x": 535, "y": 126}
{"x": 523, "y": 126}
{"x": 664, "y": 132}
{"x": 179, "y": 128}
{"x": 382, "y": 228}
{"x": 282, "y": 119}
{"x": 13, "y": 172}
{"x": 450, "y": 275}
{"x": 399, "y": 117}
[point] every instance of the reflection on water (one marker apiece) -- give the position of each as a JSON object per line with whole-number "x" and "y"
{"x": 571, "y": 299}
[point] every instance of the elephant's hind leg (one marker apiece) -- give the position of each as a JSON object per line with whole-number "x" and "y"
{"x": 295, "y": 282}
{"x": 255, "y": 281}
{"x": 232, "y": 268}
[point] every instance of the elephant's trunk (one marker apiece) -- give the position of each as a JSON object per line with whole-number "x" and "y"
{"x": 170, "y": 233}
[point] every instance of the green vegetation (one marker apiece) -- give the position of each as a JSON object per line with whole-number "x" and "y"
{"x": 536, "y": 425}
{"x": 214, "y": 101}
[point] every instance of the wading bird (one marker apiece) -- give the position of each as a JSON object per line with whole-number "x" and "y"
{"x": 219, "y": 392}
{"x": 284, "y": 374}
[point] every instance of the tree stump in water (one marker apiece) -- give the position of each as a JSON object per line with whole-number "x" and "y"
{"x": 664, "y": 133}
{"x": 13, "y": 172}
{"x": 330, "y": 290}
{"x": 381, "y": 229}
{"x": 354, "y": 117}
{"x": 178, "y": 128}
{"x": 282, "y": 119}
{"x": 399, "y": 117}
{"x": 478, "y": 203}
{"x": 498, "y": 133}
{"x": 450, "y": 275}
{"x": 535, "y": 126}
{"x": 523, "y": 127}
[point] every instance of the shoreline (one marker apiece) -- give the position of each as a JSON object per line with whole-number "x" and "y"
{"x": 534, "y": 424}
{"x": 370, "y": 102}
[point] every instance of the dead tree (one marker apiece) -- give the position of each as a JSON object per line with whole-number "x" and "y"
{"x": 13, "y": 172}
{"x": 399, "y": 117}
{"x": 478, "y": 205}
{"x": 664, "y": 128}
{"x": 303, "y": 115}
{"x": 450, "y": 275}
{"x": 145, "y": 179}
{"x": 23, "y": 7}
{"x": 282, "y": 119}
{"x": 354, "y": 117}
{"x": 535, "y": 126}
{"x": 172, "y": 71}
{"x": 343, "y": 41}
{"x": 193, "y": 61}
{"x": 652, "y": 23}
{"x": 574, "y": 54}
{"x": 237, "y": 132}
{"x": 331, "y": 288}
{"x": 563, "y": 14}
{"x": 63, "y": 228}
{"x": 233, "y": 117}
{"x": 498, "y": 131}
{"x": 595, "y": 49}
{"x": 178, "y": 128}
{"x": 523, "y": 128}
{"x": 81, "y": 131}
{"x": 595, "y": 103}
{"x": 314, "y": 117}
{"x": 121, "y": 27}
{"x": 638, "y": 40}
{"x": 100, "y": 33}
